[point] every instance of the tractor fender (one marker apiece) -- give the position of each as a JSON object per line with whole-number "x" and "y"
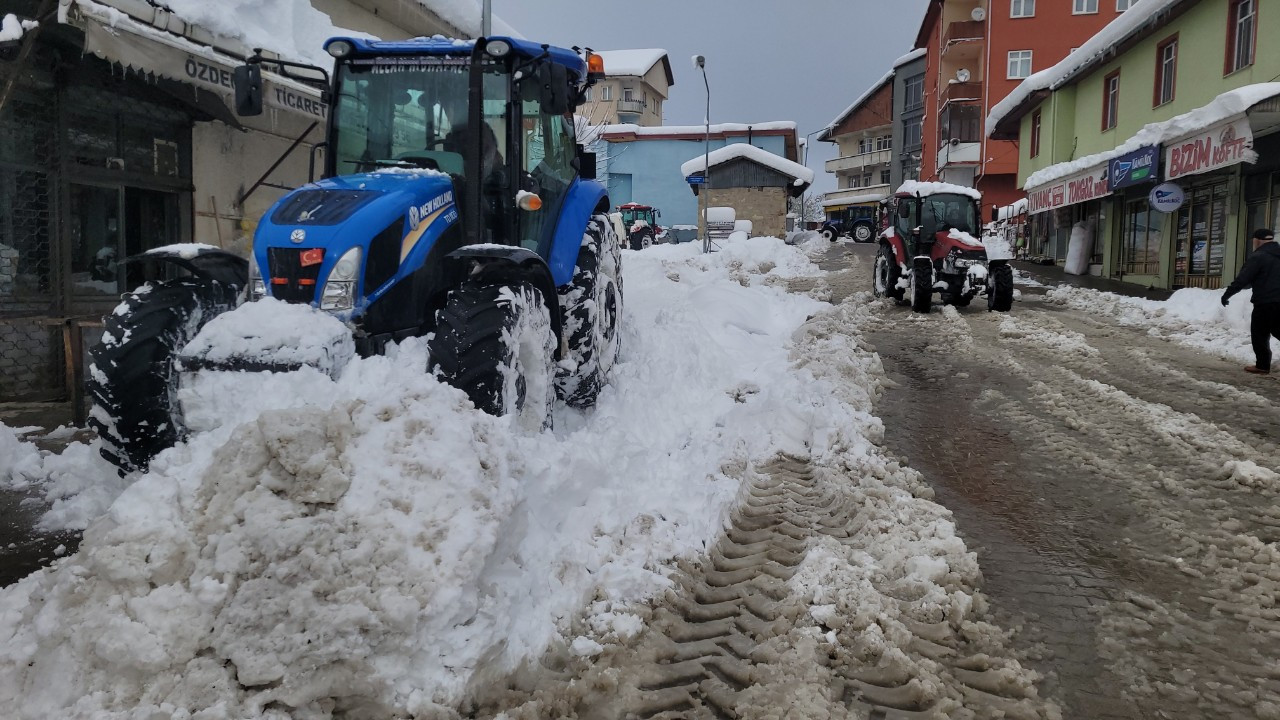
{"x": 203, "y": 261}
{"x": 585, "y": 197}
{"x": 511, "y": 264}
{"x": 895, "y": 244}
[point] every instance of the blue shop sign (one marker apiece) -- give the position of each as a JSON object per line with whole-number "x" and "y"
{"x": 1135, "y": 168}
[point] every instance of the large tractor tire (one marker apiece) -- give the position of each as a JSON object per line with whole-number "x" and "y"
{"x": 829, "y": 234}
{"x": 591, "y": 310}
{"x": 642, "y": 239}
{"x": 1000, "y": 287}
{"x": 495, "y": 343}
{"x": 133, "y": 381}
{"x": 863, "y": 233}
{"x": 921, "y": 285}
{"x": 887, "y": 273}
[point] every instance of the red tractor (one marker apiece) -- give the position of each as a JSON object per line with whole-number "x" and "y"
{"x": 641, "y": 224}
{"x": 930, "y": 246}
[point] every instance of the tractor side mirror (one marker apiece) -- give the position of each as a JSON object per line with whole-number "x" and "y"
{"x": 995, "y": 214}
{"x": 553, "y": 81}
{"x": 247, "y": 80}
{"x": 586, "y": 164}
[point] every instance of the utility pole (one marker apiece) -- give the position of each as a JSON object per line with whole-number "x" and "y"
{"x": 486, "y": 18}
{"x": 700, "y": 62}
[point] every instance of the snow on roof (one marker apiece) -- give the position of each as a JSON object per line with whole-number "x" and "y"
{"x": 1013, "y": 210}
{"x": 853, "y": 200}
{"x": 636, "y": 63}
{"x": 913, "y": 55}
{"x": 1117, "y": 31}
{"x": 857, "y": 103}
{"x": 913, "y": 187}
{"x": 631, "y": 129}
{"x": 1227, "y": 105}
{"x": 698, "y": 164}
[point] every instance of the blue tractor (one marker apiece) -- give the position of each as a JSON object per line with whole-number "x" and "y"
{"x": 455, "y": 203}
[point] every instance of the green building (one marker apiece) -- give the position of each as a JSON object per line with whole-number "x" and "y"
{"x": 1172, "y": 99}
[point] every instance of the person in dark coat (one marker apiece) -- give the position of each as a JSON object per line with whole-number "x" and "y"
{"x": 1262, "y": 273}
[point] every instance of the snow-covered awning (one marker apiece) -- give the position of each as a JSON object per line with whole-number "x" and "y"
{"x": 119, "y": 38}
{"x": 799, "y": 173}
{"x": 1083, "y": 186}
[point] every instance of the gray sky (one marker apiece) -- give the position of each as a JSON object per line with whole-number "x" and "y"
{"x": 801, "y": 60}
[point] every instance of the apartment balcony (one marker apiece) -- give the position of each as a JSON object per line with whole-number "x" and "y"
{"x": 962, "y": 91}
{"x": 858, "y": 162}
{"x": 968, "y": 31}
{"x": 959, "y": 153}
{"x": 631, "y": 106}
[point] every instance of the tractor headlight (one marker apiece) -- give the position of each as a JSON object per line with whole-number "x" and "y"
{"x": 257, "y": 288}
{"x": 497, "y": 48}
{"x": 340, "y": 48}
{"x": 340, "y": 289}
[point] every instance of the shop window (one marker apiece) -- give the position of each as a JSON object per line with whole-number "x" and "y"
{"x": 1166, "y": 71}
{"x": 1201, "y": 238}
{"x": 1035, "y": 134}
{"x": 1023, "y": 9}
{"x": 1110, "y": 100}
{"x": 1241, "y": 34}
{"x": 1140, "y": 253}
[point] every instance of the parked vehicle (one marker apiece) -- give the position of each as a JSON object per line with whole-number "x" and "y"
{"x": 859, "y": 222}
{"x": 641, "y": 223}
{"x": 451, "y": 224}
{"x": 930, "y": 247}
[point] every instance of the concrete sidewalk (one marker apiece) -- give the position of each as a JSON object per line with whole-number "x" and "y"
{"x": 1054, "y": 275}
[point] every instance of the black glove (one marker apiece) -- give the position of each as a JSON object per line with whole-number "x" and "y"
{"x": 1226, "y": 300}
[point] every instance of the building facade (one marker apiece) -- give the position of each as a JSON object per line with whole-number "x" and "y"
{"x": 908, "y": 118}
{"x": 643, "y": 164}
{"x": 636, "y": 84}
{"x": 978, "y": 51}
{"x": 863, "y": 136}
{"x": 1164, "y": 105}
{"x": 117, "y": 136}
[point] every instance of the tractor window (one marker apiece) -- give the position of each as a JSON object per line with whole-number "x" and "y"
{"x": 946, "y": 211}
{"x": 550, "y": 146}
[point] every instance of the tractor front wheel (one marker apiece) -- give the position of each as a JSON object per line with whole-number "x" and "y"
{"x": 133, "y": 381}
{"x": 829, "y": 234}
{"x": 1000, "y": 287}
{"x": 863, "y": 233}
{"x": 887, "y": 274}
{"x": 495, "y": 343}
{"x": 921, "y": 285}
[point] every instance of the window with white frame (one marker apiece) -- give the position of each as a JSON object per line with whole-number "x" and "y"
{"x": 1166, "y": 70}
{"x": 883, "y": 142}
{"x": 1019, "y": 64}
{"x": 1023, "y": 8}
{"x": 1244, "y": 15}
{"x": 606, "y": 92}
{"x": 1122, "y": 5}
{"x": 1110, "y": 100}
{"x": 1083, "y": 7}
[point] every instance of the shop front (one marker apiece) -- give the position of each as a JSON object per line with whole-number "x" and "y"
{"x": 1067, "y": 207}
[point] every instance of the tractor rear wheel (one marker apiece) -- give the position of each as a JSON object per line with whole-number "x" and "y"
{"x": 829, "y": 234}
{"x": 590, "y": 311}
{"x": 921, "y": 285}
{"x": 642, "y": 239}
{"x": 887, "y": 274}
{"x": 494, "y": 342}
{"x": 133, "y": 380}
{"x": 1000, "y": 287}
{"x": 863, "y": 233}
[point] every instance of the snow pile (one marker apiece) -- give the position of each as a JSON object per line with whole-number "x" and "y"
{"x": 272, "y": 332}
{"x": 925, "y": 189}
{"x": 77, "y": 484}
{"x": 17, "y": 457}
{"x": 1191, "y": 316}
{"x": 372, "y": 545}
{"x": 800, "y": 173}
{"x": 1225, "y": 106}
{"x": 12, "y": 28}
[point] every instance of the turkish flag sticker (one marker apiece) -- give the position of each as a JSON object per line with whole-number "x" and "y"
{"x": 314, "y": 256}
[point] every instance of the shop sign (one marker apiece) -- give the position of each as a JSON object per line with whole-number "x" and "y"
{"x": 1082, "y": 187}
{"x": 1135, "y": 168}
{"x": 1224, "y": 144}
{"x": 1166, "y": 197}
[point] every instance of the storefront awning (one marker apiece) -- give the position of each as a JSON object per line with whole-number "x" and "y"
{"x": 148, "y": 50}
{"x": 1083, "y": 186}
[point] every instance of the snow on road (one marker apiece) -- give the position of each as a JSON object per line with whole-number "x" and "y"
{"x": 373, "y": 543}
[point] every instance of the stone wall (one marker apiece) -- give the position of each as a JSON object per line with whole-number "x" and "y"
{"x": 766, "y": 208}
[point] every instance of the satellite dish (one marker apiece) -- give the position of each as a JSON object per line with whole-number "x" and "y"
{"x": 978, "y": 14}
{"x": 963, "y": 75}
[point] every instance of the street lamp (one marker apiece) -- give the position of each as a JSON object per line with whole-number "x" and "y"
{"x": 700, "y": 62}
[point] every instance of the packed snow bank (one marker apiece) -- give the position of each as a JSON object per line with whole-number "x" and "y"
{"x": 373, "y": 545}
{"x": 77, "y": 484}
{"x": 1191, "y": 316}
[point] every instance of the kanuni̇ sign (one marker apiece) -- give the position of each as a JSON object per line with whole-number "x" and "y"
{"x": 1082, "y": 187}
{"x": 1227, "y": 143}
{"x": 1138, "y": 167}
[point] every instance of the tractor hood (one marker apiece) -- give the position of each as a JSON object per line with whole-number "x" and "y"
{"x": 393, "y": 216}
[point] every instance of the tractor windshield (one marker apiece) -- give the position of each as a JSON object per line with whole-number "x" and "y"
{"x": 412, "y": 111}
{"x": 947, "y": 211}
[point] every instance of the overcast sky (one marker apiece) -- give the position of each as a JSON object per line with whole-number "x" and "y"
{"x": 800, "y": 60}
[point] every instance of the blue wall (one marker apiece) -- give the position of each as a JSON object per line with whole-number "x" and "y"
{"x": 654, "y": 170}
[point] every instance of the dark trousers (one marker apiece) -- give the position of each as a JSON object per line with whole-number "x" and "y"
{"x": 1264, "y": 326}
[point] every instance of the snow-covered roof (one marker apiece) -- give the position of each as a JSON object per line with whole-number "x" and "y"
{"x": 914, "y": 187}
{"x": 856, "y": 104}
{"x": 1139, "y": 17}
{"x": 1225, "y": 106}
{"x": 854, "y": 200}
{"x": 1013, "y": 210}
{"x": 635, "y": 63}
{"x": 913, "y": 55}
{"x": 800, "y": 173}
{"x": 630, "y": 129}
